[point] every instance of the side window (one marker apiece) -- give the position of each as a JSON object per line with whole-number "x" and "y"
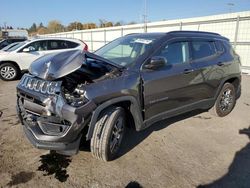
{"x": 174, "y": 53}
{"x": 38, "y": 45}
{"x": 3, "y": 44}
{"x": 71, "y": 44}
{"x": 54, "y": 45}
{"x": 203, "y": 49}
{"x": 219, "y": 46}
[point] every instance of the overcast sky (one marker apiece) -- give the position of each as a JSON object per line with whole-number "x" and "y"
{"x": 22, "y": 13}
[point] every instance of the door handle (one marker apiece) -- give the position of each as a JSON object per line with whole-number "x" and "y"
{"x": 220, "y": 64}
{"x": 187, "y": 71}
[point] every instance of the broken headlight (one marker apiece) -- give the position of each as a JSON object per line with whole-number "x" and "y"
{"x": 77, "y": 97}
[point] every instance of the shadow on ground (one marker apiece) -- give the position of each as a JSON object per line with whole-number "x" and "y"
{"x": 238, "y": 174}
{"x": 133, "y": 138}
{"x": 133, "y": 184}
{"x": 21, "y": 177}
{"x": 56, "y": 164}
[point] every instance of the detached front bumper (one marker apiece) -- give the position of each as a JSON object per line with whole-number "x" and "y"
{"x": 50, "y": 123}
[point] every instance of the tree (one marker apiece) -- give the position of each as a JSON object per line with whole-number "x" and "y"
{"x": 41, "y": 25}
{"x": 109, "y": 24}
{"x": 132, "y": 23}
{"x": 89, "y": 26}
{"x": 55, "y": 26}
{"x": 118, "y": 24}
{"x": 33, "y": 28}
{"x": 42, "y": 31}
{"x": 74, "y": 26}
{"x": 104, "y": 23}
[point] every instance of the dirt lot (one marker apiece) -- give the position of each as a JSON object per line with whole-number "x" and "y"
{"x": 195, "y": 149}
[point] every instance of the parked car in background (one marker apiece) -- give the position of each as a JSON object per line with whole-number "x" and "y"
{"x": 135, "y": 81}
{"x": 14, "y": 33}
{"x": 6, "y": 42}
{"x": 18, "y": 58}
{"x": 7, "y": 48}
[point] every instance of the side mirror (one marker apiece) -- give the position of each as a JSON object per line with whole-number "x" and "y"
{"x": 156, "y": 62}
{"x": 29, "y": 49}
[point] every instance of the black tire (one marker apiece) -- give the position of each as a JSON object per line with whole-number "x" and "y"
{"x": 225, "y": 101}
{"x": 9, "y": 71}
{"x": 104, "y": 134}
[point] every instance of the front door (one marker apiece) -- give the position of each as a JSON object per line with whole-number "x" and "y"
{"x": 172, "y": 86}
{"x": 37, "y": 50}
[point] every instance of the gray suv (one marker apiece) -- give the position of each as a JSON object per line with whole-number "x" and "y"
{"x": 136, "y": 80}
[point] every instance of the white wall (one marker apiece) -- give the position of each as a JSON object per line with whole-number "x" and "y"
{"x": 227, "y": 25}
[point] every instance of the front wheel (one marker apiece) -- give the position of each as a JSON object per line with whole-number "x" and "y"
{"x": 225, "y": 101}
{"x": 8, "y": 71}
{"x": 108, "y": 134}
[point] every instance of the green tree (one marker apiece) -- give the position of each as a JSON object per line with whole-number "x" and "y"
{"x": 33, "y": 28}
{"x": 41, "y": 25}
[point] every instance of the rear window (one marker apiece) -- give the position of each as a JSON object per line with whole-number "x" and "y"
{"x": 203, "y": 49}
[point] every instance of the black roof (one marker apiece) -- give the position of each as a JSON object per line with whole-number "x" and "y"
{"x": 182, "y": 33}
{"x": 197, "y": 34}
{"x": 193, "y": 32}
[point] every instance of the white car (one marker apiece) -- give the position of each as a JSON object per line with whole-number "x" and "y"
{"x": 19, "y": 58}
{"x": 6, "y": 48}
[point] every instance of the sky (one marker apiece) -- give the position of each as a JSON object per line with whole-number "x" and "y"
{"x": 22, "y": 13}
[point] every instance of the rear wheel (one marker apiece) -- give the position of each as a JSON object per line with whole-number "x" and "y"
{"x": 8, "y": 71}
{"x": 225, "y": 101}
{"x": 108, "y": 134}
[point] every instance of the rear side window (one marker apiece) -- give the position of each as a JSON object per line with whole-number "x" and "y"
{"x": 175, "y": 53}
{"x": 61, "y": 44}
{"x": 219, "y": 46}
{"x": 203, "y": 49}
{"x": 71, "y": 44}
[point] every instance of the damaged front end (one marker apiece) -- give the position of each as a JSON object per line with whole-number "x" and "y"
{"x": 52, "y": 101}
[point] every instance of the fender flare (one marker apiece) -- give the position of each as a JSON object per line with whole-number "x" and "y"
{"x": 237, "y": 90}
{"x": 134, "y": 109}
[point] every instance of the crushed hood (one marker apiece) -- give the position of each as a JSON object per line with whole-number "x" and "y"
{"x": 57, "y": 65}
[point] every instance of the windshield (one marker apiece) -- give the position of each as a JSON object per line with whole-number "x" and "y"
{"x": 16, "y": 46}
{"x": 126, "y": 50}
{"x": 6, "y": 48}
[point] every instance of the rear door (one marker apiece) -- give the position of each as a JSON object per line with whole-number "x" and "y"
{"x": 207, "y": 57}
{"x": 172, "y": 86}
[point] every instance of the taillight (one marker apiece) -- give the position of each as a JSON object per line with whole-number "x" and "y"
{"x": 86, "y": 48}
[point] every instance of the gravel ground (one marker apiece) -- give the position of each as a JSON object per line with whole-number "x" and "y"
{"x": 191, "y": 150}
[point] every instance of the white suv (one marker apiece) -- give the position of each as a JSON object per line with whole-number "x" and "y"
{"x": 18, "y": 58}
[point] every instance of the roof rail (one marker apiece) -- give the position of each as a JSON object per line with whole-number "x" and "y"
{"x": 200, "y": 32}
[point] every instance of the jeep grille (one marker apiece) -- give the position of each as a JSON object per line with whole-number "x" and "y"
{"x": 42, "y": 86}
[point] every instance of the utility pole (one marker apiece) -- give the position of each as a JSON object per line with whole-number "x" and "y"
{"x": 145, "y": 16}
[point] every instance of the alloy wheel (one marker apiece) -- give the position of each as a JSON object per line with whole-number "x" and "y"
{"x": 117, "y": 135}
{"x": 8, "y": 72}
